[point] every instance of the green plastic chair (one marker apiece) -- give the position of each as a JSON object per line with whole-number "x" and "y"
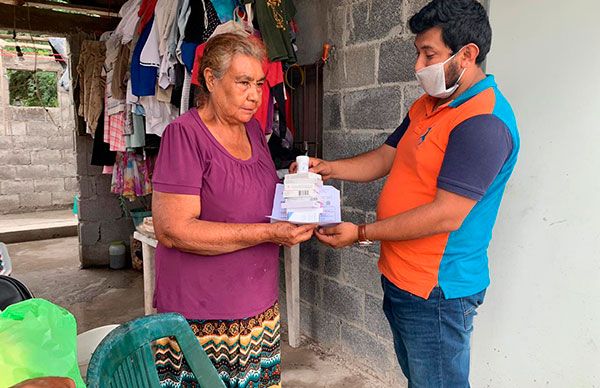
{"x": 125, "y": 357}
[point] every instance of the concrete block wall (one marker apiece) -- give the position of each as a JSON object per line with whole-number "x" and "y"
{"x": 37, "y": 152}
{"x": 101, "y": 220}
{"x": 368, "y": 86}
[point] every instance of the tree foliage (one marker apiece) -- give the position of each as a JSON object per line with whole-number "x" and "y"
{"x": 22, "y": 85}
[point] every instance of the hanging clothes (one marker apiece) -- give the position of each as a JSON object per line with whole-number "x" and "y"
{"x": 143, "y": 78}
{"x": 224, "y": 9}
{"x": 131, "y": 176}
{"x": 91, "y": 82}
{"x": 273, "y": 17}
{"x": 146, "y": 13}
{"x": 129, "y": 20}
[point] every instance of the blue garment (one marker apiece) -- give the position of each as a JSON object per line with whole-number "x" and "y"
{"x": 143, "y": 78}
{"x": 224, "y": 9}
{"x": 431, "y": 336}
{"x": 188, "y": 53}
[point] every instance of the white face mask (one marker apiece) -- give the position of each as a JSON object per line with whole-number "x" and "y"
{"x": 433, "y": 79}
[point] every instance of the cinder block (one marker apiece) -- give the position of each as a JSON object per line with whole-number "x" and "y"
{"x": 87, "y": 187}
{"x": 375, "y": 320}
{"x": 410, "y": 93}
{"x": 62, "y": 198}
{"x": 344, "y": 301}
{"x": 18, "y": 128}
{"x": 363, "y": 196}
{"x": 30, "y": 143}
{"x": 49, "y": 184}
{"x": 309, "y": 287}
{"x": 332, "y": 116}
{"x": 309, "y": 254}
{"x": 9, "y": 203}
{"x": 41, "y": 128}
{"x": 99, "y": 208}
{"x": 320, "y": 325}
{"x": 360, "y": 270}
{"x": 375, "y": 108}
{"x": 359, "y": 69}
{"x": 373, "y": 20}
{"x": 61, "y": 143}
{"x": 35, "y": 200}
{"x": 67, "y": 155}
{"x": 115, "y": 230}
{"x": 95, "y": 255}
{"x": 15, "y": 157}
{"x": 8, "y": 173}
{"x": 31, "y": 172}
{"x": 6, "y": 143}
{"x": 71, "y": 184}
{"x": 89, "y": 233}
{"x": 64, "y": 170}
{"x": 343, "y": 144}
{"x": 46, "y": 157}
{"x": 331, "y": 261}
{"x": 378, "y": 354}
{"x": 395, "y": 63}
{"x": 16, "y": 187}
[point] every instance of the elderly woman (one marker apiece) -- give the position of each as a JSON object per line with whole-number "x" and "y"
{"x": 217, "y": 262}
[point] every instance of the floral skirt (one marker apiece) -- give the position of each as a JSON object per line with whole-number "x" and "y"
{"x": 245, "y": 352}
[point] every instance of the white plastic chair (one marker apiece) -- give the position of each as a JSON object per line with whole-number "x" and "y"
{"x": 87, "y": 342}
{"x": 5, "y": 260}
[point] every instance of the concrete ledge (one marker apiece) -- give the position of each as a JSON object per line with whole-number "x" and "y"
{"x": 38, "y": 234}
{"x": 37, "y": 226}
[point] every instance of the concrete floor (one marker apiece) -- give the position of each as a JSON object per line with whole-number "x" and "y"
{"x": 96, "y": 297}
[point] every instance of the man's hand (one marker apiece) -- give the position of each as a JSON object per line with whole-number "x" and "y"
{"x": 338, "y": 236}
{"x": 318, "y": 166}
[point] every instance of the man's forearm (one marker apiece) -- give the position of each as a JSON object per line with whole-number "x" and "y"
{"x": 423, "y": 221}
{"x": 365, "y": 167}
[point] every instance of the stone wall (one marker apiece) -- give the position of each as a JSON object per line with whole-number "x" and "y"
{"x": 368, "y": 86}
{"x": 37, "y": 153}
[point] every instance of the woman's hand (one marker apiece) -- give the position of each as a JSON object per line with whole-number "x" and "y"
{"x": 285, "y": 233}
{"x": 318, "y": 166}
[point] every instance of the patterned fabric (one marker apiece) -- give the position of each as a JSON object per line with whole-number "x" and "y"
{"x": 114, "y": 132}
{"x": 131, "y": 175}
{"x": 245, "y": 352}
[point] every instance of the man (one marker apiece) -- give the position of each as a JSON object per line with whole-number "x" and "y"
{"x": 447, "y": 166}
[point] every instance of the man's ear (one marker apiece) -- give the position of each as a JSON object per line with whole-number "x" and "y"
{"x": 470, "y": 53}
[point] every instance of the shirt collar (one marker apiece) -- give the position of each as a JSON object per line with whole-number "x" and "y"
{"x": 488, "y": 82}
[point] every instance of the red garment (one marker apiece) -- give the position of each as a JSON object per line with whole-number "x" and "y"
{"x": 289, "y": 114}
{"x": 145, "y": 13}
{"x": 197, "y": 60}
{"x": 274, "y": 76}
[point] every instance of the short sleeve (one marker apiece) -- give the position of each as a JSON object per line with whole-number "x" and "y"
{"x": 179, "y": 167}
{"x": 395, "y": 137}
{"x": 477, "y": 149}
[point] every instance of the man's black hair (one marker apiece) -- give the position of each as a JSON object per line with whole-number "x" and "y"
{"x": 462, "y": 22}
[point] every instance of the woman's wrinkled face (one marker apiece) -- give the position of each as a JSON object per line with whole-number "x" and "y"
{"x": 238, "y": 93}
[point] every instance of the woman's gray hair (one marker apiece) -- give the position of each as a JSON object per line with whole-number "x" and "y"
{"x": 217, "y": 56}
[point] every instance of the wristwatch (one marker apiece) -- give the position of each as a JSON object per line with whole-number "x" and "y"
{"x": 362, "y": 236}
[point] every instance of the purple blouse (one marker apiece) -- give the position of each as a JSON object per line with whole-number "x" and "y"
{"x": 234, "y": 285}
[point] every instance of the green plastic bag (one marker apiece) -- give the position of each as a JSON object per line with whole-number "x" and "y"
{"x": 37, "y": 338}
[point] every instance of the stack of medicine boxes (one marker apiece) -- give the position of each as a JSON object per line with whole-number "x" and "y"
{"x": 302, "y": 197}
